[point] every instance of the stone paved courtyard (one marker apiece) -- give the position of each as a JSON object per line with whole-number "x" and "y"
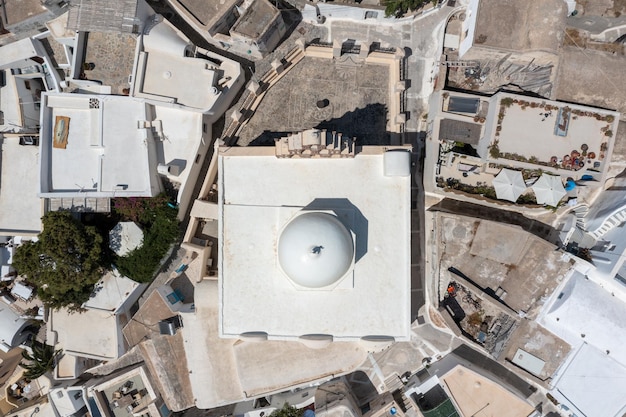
{"x": 357, "y": 95}
{"x": 113, "y": 55}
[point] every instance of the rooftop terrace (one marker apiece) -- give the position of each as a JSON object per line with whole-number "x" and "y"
{"x": 103, "y": 152}
{"x": 476, "y": 395}
{"x": 20, "y": 207}
{"x": 17, "y": 11}
{"x": 560, "y": 135}
{"x": 519, "y": 26}
{"x": 257, "y": 17}
{"x": 207, "y": 12}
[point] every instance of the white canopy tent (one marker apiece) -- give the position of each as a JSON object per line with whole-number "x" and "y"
{"x": 125, "y": 237}
{"x": 549, "y": 190}
{"x": 509, "y": 185}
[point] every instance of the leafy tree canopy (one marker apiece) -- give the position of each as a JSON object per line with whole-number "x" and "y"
{"x": 65, "y": 262}
{"x": 398, "y": 8}
{"x": 287, "y": 411}
{"x": 42, "y": 360}
{"x": 161, "y": 230}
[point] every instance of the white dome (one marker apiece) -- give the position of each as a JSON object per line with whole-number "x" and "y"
{"x": 315, "y": 250}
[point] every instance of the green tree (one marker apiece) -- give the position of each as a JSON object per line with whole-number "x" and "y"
{"x": 398, "y": 8}
{"x": 287, "y": 411}
{"x": 42, "y": 360}
{"x": 161, "y": 230}
{"x": 65, "y": 263}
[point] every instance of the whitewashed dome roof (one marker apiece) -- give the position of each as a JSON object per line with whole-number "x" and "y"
{"x": 315, "y": 250}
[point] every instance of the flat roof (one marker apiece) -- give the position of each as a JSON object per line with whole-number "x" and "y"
{"x": 20, "y": 207}
{"x": 591, "y": 370}
{"x": 375, "y": 300}
{"x": 106, "y": 153}
{"x": 145, "y": 323}
{"x": 474, "y": 393}
{"x": 135, "y": 381}
{"x": 223, "y": 371}
{"x": 111, "y": 292}
{"x": 92, "y": 334}
{"x": 18, "y": 50}
{"x": 582, "y": 66}
{"x": 530, "y": 133}
{"x": 584, "y": 312}
{"x": 207, "y": 12}
{"x": 459, "y": 131}
{"x": 256, "y": 19}
{"x": 168, "y": 75}
{"x": 540, "y": 343}
{"x": 527, "y": 130}
{"x": 18, "y": 11}
{"x": 164, "y": 71}
{"x": 520, "y": 26}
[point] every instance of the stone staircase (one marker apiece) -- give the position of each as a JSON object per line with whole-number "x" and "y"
{"x": 393, "y": 382}
{"x": 611, "y": 222}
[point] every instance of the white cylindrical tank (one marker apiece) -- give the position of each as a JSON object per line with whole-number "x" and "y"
{"x": 163, "y": 169}
{"x": 397, "y": 163}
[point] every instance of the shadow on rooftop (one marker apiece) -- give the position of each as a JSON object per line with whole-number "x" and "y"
{"x": 291, "y": 16}
{"x": 368, "y": 125}
{"x": 339, "y": 206}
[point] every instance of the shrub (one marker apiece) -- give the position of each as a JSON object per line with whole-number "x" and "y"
{"x": 160, "y": 227}
{"x": 506, "y": 101}
{"x": 494, "y": 151}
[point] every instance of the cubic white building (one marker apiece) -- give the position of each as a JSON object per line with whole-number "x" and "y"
{"x": 95, "y": 334}
{"x": 316, "y": 248}
{"x": 97, "y": 145}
